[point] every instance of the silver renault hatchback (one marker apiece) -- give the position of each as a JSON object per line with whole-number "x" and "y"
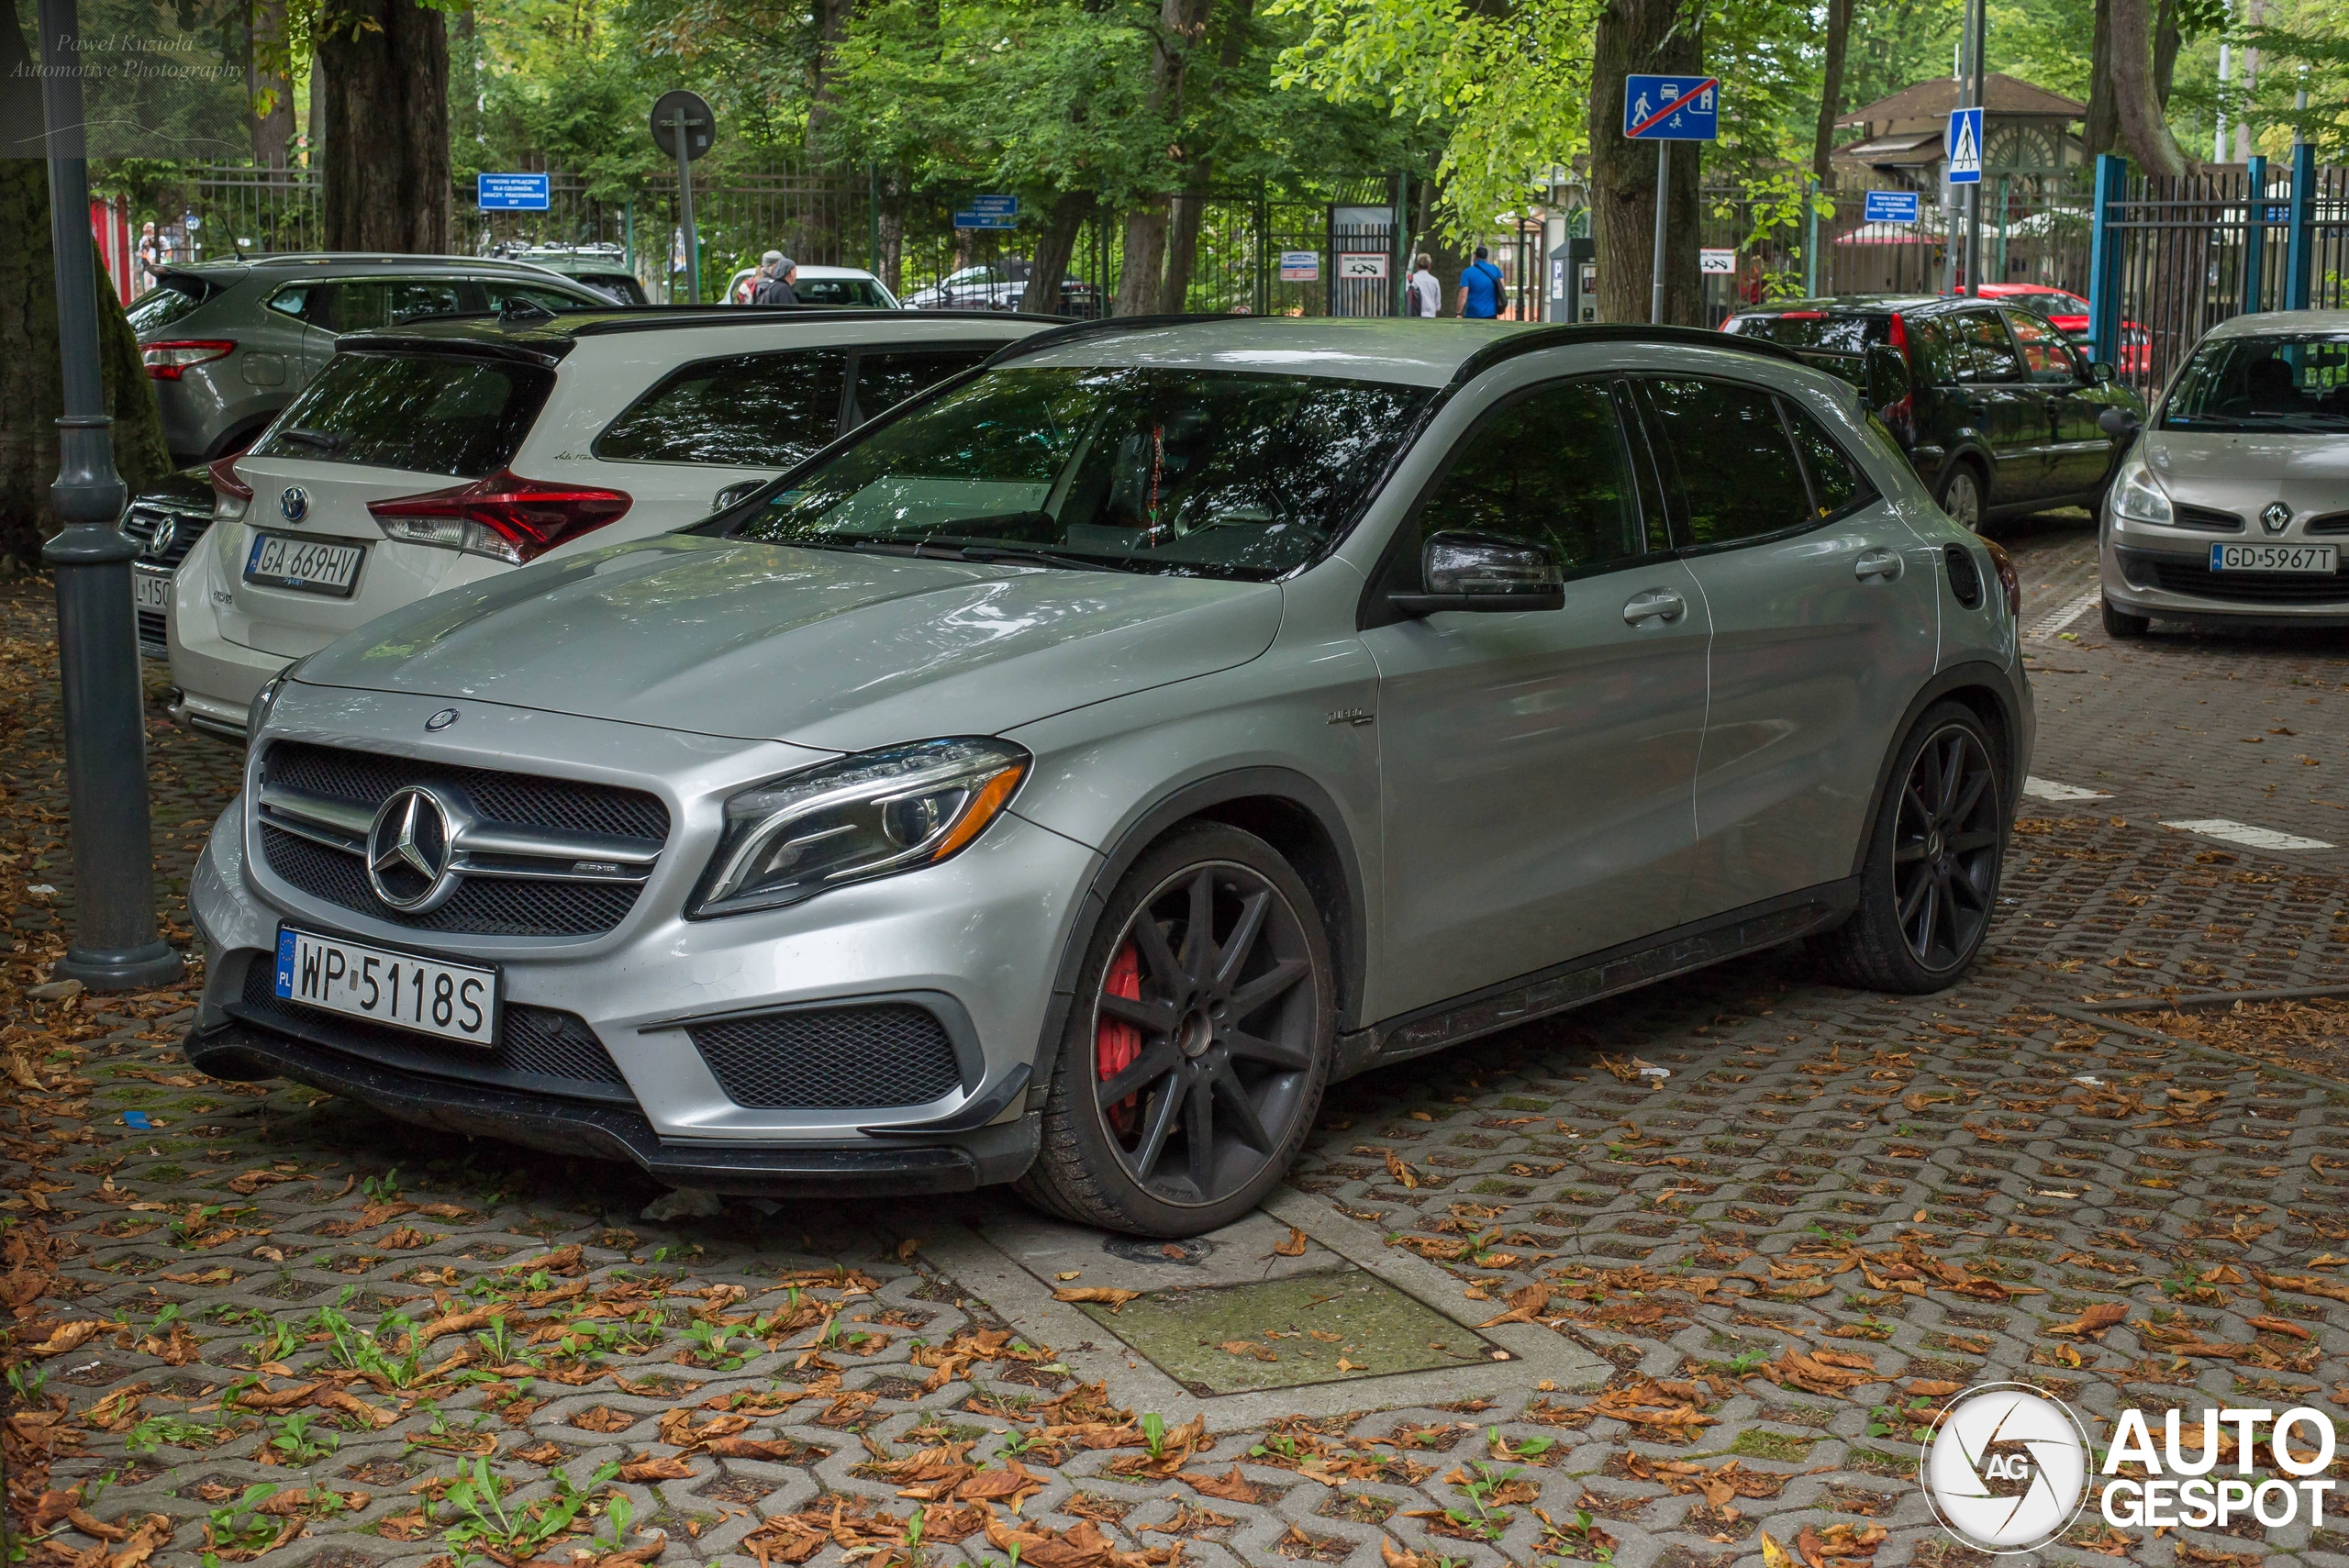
{"x": 1066, "y": 776}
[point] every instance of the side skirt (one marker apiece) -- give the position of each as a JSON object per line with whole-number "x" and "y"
{"x": 1700, "y": 943}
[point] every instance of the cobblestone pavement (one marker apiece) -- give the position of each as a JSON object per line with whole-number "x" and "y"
{"x": 1835, "y": 1210}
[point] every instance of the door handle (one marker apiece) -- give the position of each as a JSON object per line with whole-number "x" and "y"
{"x": 1882, "y": 566}
{"x": 1658, "y": 605}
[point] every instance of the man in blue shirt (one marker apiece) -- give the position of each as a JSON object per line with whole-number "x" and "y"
{"x": 1480, "y": 289}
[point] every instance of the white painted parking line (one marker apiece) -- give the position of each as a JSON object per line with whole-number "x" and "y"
{"x": 2249, "y": 837}
{"x": 2048, "y": 789}
{"x": 2064, "y": 615}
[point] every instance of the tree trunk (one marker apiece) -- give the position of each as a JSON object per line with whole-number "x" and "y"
{"x": 1447, "y": 259}
{"x": 819, "y": 239}
{"x": 1180, "y": 23}
{"x": 2102, "y": 133}
{"x": 2167, "y": 39}
{"x": 1055, "y": 248}
{"x": 1830, "y": 91}
{"x": 1641, "y": 36}
{"x": 267, "y": 72}
{"x": 31, "y": 390}
{"x": 1183, "y": 237}
{"x": 2138, "y": 102}
{"x": 386, "y": 156}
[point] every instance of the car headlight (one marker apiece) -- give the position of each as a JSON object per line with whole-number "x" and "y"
{"x": 2137, "y": 496}
{"x": 861, "y": 817}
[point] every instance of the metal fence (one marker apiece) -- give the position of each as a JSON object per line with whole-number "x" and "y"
{"x": 2173, "y": 258}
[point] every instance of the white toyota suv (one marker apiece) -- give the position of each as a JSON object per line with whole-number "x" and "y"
{"x": 448, "y": 452}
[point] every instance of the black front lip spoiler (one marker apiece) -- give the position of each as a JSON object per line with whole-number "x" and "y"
{"x": 239, "y": 1052}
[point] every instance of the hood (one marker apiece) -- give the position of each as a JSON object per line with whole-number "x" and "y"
{"x": 820, "y": 648}
{"x": 2203, "y": 466}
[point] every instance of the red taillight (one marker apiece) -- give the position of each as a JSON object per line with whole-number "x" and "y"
{"x": 224, "y": 478}
{"x": 2009, "y": 578}
{"x": 1802, "y": 316}
{"x": 167, "y": 361}
{"x": 503, "y": 515}
{"x": 1898, "y": 333}
{"x": 1900, "y": 413}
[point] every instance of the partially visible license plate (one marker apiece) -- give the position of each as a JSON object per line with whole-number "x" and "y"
{"x": 306, "y": 565}
{"x": 149, "y": 589}
{"x": 2313, "y": 559}
{"x": 453, "y": 1001}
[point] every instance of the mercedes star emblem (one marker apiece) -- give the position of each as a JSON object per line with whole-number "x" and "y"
{"x": 294, "y": 504}
{"x": 2273, "y": 518}
{"x": 441, "y": 720}
{"x": 410, "y": 848}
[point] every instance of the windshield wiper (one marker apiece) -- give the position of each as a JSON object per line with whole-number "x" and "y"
{"x": 323, "y": 440}
{"x": 930, "y": 548}
{"x": 1025, "y": 556}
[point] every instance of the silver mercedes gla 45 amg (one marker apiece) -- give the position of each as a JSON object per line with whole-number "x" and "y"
{"x": 1064, "y": 778}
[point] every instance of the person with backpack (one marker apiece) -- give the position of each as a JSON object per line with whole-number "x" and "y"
{"x": 777, "y": 290}
{"x": 1480, "y": 289}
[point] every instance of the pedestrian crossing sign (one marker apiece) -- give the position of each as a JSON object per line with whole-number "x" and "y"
{"x": 1964, "y": 144}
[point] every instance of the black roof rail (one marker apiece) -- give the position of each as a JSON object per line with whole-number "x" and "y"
{"x": 1565, "y": 334}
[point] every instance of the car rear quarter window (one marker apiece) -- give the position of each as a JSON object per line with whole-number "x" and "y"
{"x": 854, "y": 292}
{"x": 885, "y": 379}
{"x": 458, "y": 415}
{"x": 1837, "y": 484}
{"x": 1980, "y": 348}
{"x": 359, "y": 305}
{"x": 1727, "y": 450}
{"x": 1549, "y": 468}
{"x": 741, "y": 411}
{"x": 500, "y": 290}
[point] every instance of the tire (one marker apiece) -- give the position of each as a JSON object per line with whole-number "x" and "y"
{"x": 1165, "y": 1014}
{"x": 2120, "y": 626}
{"x": 1929, "y": 883}
{"x": 1964, "y": 495}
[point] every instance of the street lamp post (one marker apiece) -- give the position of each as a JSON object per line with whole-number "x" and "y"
{"x": 115, "y": 947}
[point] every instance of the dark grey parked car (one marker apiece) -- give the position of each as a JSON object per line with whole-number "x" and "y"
{"x": 229, "y": 343}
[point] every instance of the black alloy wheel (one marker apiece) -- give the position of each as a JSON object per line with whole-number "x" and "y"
{"x": 1199, "y": 1048}
{"x": 1929, "y": 878}
{"x": 1945, "y": 849}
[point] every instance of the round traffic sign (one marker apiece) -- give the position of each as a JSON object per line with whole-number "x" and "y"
{"x": 700, "y": 123}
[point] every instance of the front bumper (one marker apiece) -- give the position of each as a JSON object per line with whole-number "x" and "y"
{"x": 2166, "y": 577}
{"x": 977, "y": 941}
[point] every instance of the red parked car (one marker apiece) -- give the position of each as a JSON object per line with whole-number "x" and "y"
{"x": 2069, "y": 312}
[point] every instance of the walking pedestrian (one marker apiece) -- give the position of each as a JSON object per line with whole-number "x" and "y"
{"x": 150, "y": 256}
{"x": 1426, "y": 289}
{"x": 778, "y": 289}
{"x": 1480, "y": 288}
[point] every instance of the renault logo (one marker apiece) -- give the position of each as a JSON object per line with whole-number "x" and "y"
{"x": 2276, "y": 516}
{"x": 294, "y": 504}
{"x": 410, "y": 848}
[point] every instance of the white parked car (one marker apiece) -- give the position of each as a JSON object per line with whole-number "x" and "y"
{"x": 443, "y": 453}
{"x": 851, "y": 287}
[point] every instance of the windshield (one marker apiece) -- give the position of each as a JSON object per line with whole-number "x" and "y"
{"x": 2281, "y": 382}
{"x": 1211, "y": 473}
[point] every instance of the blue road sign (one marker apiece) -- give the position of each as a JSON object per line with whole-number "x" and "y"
{"x": 989, "y": 212}
{"x": 1672, "y": 108}
{"x": 1963, "y": 143}
{"x": 510, "y": 193}
{"x": 1890, "y": 206}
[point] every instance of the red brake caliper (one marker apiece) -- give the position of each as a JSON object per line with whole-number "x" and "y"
{"x": 1117, "y": 1043}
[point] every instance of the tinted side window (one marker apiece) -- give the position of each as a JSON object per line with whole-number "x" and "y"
{"x": 1550, "y": 469}
{"x": 1983, "y": 351}
{"x": 1737, "y": 473}
{"x": 1928, "y": 351}
{"x": 292, "y": 299}
{"x": 499, "y": 291}
{"x": 364, "y": 303}
{"x": 1836, "y": 482}
{"x": 886, "y": 380}
{"x": 2046, "y": 357}
{"x": 165, "y": 302}
{"x": 744, "y": 411}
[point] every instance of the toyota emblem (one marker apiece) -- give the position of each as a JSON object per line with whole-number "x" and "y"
{"x": 411, "y": 849}
{"x": 2273, "y": 518}
{"x": 294, "y": 504}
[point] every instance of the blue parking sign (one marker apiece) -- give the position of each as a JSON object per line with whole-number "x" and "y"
{"x": 510, "y": 193}
{"x": 1963, "y": 143}
{"x": 1672, "y": 108}
{"x": 1890, "y": 206}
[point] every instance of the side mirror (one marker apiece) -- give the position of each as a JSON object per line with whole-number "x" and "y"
{"x": 1480, "y": 571}
{"x": 2118, "y": 422}
{"x": 2100, "y": 372}
{"x": 1888, "y": 380}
